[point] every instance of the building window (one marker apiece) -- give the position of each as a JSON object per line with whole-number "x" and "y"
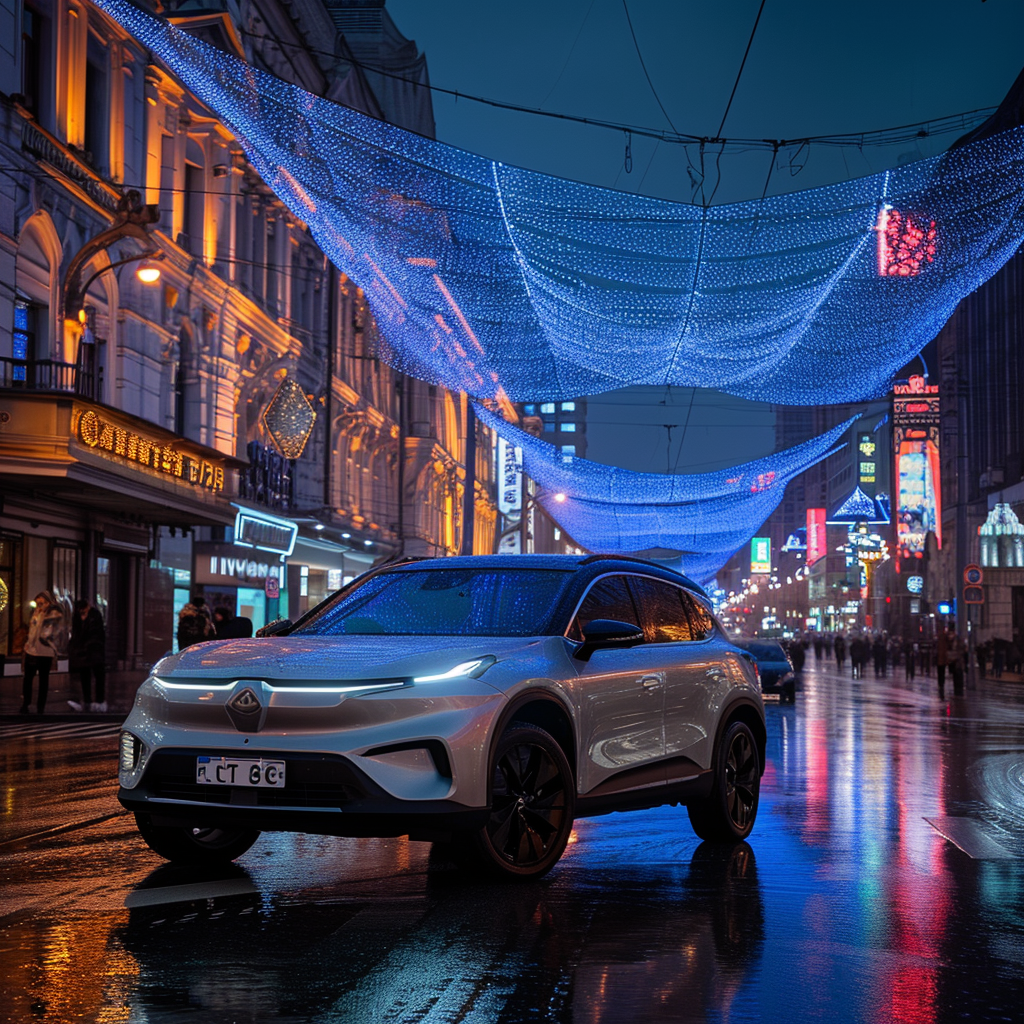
{"x": 35, "y": 52}
{"x": 547, "y": 409}
{"x": 568, "y": 428}
{"x": 97, "y": 104}
{"x": 303, "y": 581}
{"x": 568, "y": 407}
{"x": 195, "y": 209}
{"x": 529, "y": 410}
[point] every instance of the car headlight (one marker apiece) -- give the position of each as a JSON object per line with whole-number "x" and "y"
{"x": 131, "y": 749}
{"x": 465, "y": 670}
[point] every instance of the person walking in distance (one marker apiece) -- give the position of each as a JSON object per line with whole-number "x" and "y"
{"x": 957, "y": 662}
{"x": 839, "y": 647}
{"x": 909, "y": 658}
{"x": 942, "y": 659}
{"x": 41, "y": 647}
{"x": 87, "y": 655}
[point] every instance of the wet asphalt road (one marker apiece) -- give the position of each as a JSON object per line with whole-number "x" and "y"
{"x": 884, "y": 881}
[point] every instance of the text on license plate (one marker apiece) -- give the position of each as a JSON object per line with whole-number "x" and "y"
{"x": 234, "y": 771}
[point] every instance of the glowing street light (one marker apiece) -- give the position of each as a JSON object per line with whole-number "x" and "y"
{"x": 148, "y": 272}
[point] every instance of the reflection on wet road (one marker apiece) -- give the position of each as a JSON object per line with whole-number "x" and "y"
{"x": 883, "y": 882}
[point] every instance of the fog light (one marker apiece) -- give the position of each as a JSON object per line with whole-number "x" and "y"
{"x": 130, "y": 749}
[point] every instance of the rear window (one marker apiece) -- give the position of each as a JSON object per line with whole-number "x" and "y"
{"x": 444, "y": 602}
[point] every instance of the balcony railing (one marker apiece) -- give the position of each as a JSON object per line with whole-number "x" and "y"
{"x": 50, "y": 375}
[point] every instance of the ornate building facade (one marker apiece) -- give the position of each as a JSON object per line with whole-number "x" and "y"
{"x": 141, "y": 421}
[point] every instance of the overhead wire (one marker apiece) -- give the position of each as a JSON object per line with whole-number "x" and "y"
{"x": 640, "y": 56}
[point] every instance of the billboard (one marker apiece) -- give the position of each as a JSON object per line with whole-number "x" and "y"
{"x": 918, "y": 504}
{"x": 816, "y": 544}
{"x": 866, "y": 463}
{"x": 510, "y": 479}
{"x": 761, "y": 555}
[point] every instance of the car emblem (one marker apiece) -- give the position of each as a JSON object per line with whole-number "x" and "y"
{"x": 246, "y": 702}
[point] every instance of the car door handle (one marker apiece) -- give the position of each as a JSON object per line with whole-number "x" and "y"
{"x": 650, "y": 682}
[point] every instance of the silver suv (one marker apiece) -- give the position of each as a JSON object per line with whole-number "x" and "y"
{"x": 481, "y": 701}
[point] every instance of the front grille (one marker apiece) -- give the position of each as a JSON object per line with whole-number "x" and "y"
{"x": 311, "y": 781}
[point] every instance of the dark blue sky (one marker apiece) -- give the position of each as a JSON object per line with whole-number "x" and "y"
{"x": 825, "y": 67}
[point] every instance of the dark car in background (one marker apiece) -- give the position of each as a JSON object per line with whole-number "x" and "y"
{"x": 778, "y": 680}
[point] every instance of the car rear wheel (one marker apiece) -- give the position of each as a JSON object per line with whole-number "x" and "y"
{"x": 185, "y": 844}
{"x": 532, "y": 803}
{"x": 728, "y": 813}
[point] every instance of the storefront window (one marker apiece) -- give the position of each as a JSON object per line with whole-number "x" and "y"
{"x": 11, "y": 638}
{"x": 65, "y": 575}
{"x": 103, "y": 587}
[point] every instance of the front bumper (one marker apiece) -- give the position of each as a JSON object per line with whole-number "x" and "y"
{"x": 326, "y": 794}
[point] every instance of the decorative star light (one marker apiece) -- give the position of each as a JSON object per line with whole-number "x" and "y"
{"x": 485, "y": 276}
{"x": 289, "y": 418}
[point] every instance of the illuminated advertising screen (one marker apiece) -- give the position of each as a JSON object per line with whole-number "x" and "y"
{"x": 761, "y": 555}
{"x": 816, "y": 547}
{"x": 866, "y": 463}
{"x": 918, "y": 505}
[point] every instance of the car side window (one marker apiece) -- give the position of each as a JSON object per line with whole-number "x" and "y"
{"x": 702, "y": 625}
{"x": 665, "y": 616}
{"x": 608, "y": 598}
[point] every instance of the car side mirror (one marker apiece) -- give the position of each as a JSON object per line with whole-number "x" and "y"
{"x": 279, "y": 627}
{"x": 601, "y": 633}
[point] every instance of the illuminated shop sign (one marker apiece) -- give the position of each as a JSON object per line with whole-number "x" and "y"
{"x": 229, "y": 565}
{"x": 265, "y": 532}
{"x": 510, "y": 475}
{"x": 100, "y": 435}
{"x": 761, "y": 555}
{"x": 816, "y": 545}
{"x": 866, "y": 448}
{"x": 915, "y": 417}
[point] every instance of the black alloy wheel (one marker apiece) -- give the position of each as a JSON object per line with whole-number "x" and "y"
{"x": 729, "y": 812}
{"x": 185, "y": 844}
{"x": 532, "y": 802}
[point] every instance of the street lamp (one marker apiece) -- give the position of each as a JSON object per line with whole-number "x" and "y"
{"x": 147, "y": 271}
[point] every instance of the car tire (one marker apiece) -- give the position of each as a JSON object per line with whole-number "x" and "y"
{"x": 184, "y": 844}
{"x": 728, "y": 814}
{"x": 532, "y": 805}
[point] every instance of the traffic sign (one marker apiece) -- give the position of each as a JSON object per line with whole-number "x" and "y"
{"x": 974, "y": 595}
{"x": 973, "y": 575}
{"x": 272, "y": 587}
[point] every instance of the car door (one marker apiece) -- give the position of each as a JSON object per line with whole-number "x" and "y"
{"x": 679, "y": 628}
{"x": 621, "y": 692}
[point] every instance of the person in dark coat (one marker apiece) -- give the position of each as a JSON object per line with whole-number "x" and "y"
{"x": 839, "y": 646}
{"x": 881, "y": 653}
{"x": 195, "y": 624}
{"x": 47, "y": 634}
{"x": 87, "y": 655}
{"x": 231, "y": 627}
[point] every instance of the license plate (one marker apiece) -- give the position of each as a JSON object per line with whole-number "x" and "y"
{"x": 235, "y": 771}
{"x": 768, "y": 697}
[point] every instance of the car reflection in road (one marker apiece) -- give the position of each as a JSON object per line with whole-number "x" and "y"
{"x": 614, "y": 945}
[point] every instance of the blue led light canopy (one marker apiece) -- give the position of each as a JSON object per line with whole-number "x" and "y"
{"x": 484, "y": 276}
{"x": 707, "y": 516}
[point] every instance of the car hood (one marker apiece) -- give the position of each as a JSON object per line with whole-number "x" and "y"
{"x": 335, "y": 657}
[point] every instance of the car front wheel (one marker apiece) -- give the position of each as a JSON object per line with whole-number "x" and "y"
{"x": 728, "y": 814}
{"x": 532, "y": 802}
{"x": 184, "y": 844}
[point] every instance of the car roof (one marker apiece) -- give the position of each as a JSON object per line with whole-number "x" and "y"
{"x": 559, "y": 563}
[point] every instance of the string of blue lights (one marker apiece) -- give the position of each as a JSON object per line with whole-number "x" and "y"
{"x": 487, "y": 277}
{"x": 706, "y": 516}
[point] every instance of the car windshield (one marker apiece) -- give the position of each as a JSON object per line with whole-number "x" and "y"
{"x": 444, "y": 602}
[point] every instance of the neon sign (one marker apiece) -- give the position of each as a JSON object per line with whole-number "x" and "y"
{"x": 905, "y": 244}
{"x": 98, "y": 434}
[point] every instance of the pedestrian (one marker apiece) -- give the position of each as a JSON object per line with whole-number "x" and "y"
{"x": 909, "y": 658}
{"x": 981, "y": 653}
{"x": 925, "y": 650}
{"x": 87, "y": 655}
{"x": 942, "y": 642}
{"x": 45, "y": 639}
{"x": 194, "y": 623}
{"x": 856, "y": 654}
{"x": 819, "y": 646}
{"x": 957, "y": 659}
{"x": 998, "y": 658}
{"x": 839, "y": 646}
{"x": 879, "y": 651}
{"x": 230, "y": 626}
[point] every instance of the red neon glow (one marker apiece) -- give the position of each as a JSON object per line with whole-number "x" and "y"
{"x": 905, "y": 244}
{"x": 816, "y": 544}
{"x": 762, "y": 482}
